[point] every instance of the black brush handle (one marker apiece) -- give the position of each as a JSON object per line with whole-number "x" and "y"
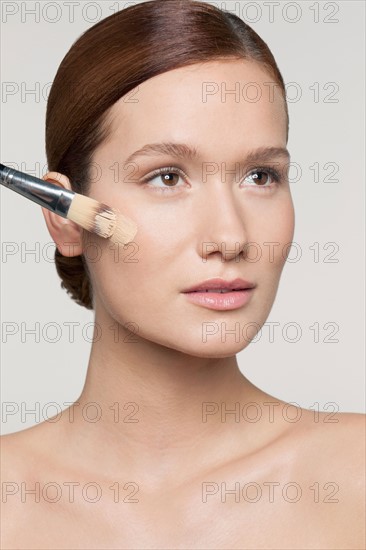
{"x": 51, "y": 196}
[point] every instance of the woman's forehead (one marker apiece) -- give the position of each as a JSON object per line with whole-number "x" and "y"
{"x": 220, "y": 97}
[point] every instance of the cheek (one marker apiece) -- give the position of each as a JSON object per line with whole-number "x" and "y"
{"x": 285, "y": 226}
{"x": 144, "y": 264}
{"x": 274, "y": 230}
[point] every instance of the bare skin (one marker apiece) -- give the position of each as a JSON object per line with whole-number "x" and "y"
{"x": 174, "y": 442}
{"x": 302, "y": 489}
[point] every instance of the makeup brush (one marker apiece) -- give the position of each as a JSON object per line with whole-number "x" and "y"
{"x": 90, "y": 214}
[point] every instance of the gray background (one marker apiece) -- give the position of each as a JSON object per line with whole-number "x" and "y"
{"x": 321, "y": 51}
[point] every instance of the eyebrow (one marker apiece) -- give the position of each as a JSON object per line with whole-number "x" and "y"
{"x": 179, "y": 150}
{"x": 183, "y": 151}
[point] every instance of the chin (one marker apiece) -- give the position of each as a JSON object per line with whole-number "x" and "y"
{"x": 214, "y": 349}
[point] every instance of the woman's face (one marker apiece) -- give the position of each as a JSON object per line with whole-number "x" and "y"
{"x": 217, "y": 214}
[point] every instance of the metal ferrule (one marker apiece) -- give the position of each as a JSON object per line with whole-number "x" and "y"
{"x": 51, "y": 196}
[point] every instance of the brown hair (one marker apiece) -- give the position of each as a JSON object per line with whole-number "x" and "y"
{"x": 112, "y": 58}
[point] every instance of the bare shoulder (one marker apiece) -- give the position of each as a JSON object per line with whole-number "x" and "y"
{"x": 334, "y": 449}
{"x": 20, "y": 459}
{"x": 343, "y": 433}
{"x": 24, "y": 453}
{"x": 25, "y": 456}
{"x": 14, "y": 472}
{"x": 20, "y": 451}
{"x": 12, "y": 448}
{"x": 326, "y": 454}
{"x": 334, "y": 438}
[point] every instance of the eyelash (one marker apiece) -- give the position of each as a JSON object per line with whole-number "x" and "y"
{"x": 270, "y": 170}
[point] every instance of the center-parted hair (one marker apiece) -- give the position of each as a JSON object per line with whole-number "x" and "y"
{"x": 112, "y": 58}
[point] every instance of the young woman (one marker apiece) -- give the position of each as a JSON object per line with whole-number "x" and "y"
{"x": 175, "y": 113}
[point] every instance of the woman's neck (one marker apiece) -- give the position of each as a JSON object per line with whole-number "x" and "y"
{"x": 148, "y": 408}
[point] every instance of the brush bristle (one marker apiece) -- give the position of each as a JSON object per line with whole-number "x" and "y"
{"x": 125, "y": 230}
{"x": 99, "y": 218}
{"x": 92, "y": 215}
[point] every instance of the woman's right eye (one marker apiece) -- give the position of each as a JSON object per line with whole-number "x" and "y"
{"x": 168, "y": 177}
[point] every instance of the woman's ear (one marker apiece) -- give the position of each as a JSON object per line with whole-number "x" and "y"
{"x": 65, "y": 233}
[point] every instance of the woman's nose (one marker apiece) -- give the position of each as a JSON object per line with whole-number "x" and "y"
{"x": 222, "y": 225}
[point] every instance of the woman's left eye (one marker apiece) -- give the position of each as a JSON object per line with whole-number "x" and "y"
{"x": 264, "y": 178}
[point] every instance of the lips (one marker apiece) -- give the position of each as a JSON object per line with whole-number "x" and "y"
{"x": 220, "y": 286}
{"x": 221, "y": 295}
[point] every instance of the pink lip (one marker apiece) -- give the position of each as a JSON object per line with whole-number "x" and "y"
{"x": 217, "y": 283}
{"x": 225, "y": 301}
